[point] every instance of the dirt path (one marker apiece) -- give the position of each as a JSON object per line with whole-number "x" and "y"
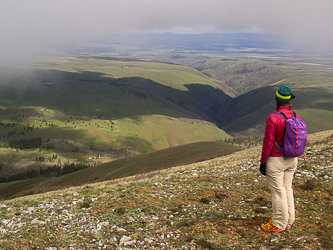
{"x": 278, "y": 82}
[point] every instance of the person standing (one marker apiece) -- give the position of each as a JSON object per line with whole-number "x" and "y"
{"x": 279, "y": 171}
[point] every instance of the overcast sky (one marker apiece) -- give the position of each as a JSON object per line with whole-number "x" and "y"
{"x": 29, "y": 26}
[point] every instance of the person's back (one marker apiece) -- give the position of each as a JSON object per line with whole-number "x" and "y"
{"x": 279, "y": 171}
{"x": 275, "y": 129}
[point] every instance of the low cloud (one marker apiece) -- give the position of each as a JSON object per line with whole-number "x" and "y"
{"x": 33, "y": 27}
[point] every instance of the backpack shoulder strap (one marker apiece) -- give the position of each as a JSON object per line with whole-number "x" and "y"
{"x": 282, "y": 114}
{"x": 279, "y": 148}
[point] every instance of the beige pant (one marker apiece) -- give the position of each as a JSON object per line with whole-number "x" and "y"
{"x": 279, "y": 176}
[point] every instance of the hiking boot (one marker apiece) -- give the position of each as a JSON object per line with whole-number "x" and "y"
{"x": 270, "y": 227}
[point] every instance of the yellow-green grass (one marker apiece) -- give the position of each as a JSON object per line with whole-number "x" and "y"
{"x": 9, "y": 153}
{"x": 226, "y": 89}
{"x": 64, "y": 109}
{"x": 141, "y": 133}
{"x": 93, "y": 131}
{"x": 242, "y": 75}
{"x": 144, "y": 163}
{"x": 146, "y": 133}
{"x": 89, "y": 91}
{"x": 175, "y": 76}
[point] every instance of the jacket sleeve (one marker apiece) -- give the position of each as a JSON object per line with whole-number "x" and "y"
{"x": 268, "y": 142}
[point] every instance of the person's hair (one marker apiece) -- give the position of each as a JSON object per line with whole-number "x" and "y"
{"x": 281, "y": 104}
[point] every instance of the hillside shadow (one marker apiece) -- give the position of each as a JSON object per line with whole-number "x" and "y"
{"x": 212, "y": 98}
{"x": 252, "y": 109}
{"x": 94, "y": 95}
{"x": 236, "y": 108}
{"x": 68, "y": 91}
{"x": 74, "y": 97}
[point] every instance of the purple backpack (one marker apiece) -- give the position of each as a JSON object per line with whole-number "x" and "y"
{"x": 295, "y": 138}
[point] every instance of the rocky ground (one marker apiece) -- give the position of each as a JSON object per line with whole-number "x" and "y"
{"x": 216, "y": 204}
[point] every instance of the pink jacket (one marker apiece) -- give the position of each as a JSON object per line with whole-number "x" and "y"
{"x": 275, "y": 129}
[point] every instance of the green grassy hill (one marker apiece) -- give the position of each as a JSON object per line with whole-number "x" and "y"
{"x": 311, "y": 81}
{"x": 138, "y": 103}
{"x": 141, "y": 164}
{"x": 242, "y": 75}
{"x": 111, "y": 103}
{"x": 215, "y": 204}
{"x": 165, "y": 73}
{"x": 247, "y": 114}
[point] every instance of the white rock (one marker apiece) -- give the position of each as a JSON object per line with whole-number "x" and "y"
{"x": 6, "y": 222}
{"x": 36, "y": 221}
{"x": 119, "y": 229}
{"x": 124, "y": 239}
{"x": 129, "y": 243}
{"x": 148, "y": 240}
{"x": 30, "y": 210}
{"x": 130, "y": 220}
{"x": 105, "y": 224}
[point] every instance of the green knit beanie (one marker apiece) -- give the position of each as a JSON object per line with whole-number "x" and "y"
{"x": 284, "y": 94}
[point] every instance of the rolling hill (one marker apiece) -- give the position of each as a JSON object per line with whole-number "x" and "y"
{"x": 141, "y": 164}
{"x": 214, "y": 204}
{"x": 127, "y": 109}
{"x": 144, "y": 103}
{"x": 107, "y": 104}
{"x": 256, "y": 82}
{"x": 242, "y": 75}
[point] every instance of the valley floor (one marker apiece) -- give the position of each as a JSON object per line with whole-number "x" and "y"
{"x": 216, "y": 204}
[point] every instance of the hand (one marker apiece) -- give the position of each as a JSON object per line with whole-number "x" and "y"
{"x": 263, "y": 168}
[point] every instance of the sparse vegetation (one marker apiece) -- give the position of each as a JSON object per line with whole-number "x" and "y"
{"x": 215, "y": 204}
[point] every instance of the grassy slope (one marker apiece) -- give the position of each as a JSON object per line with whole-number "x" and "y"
{"x": 87, "y": 95}
{"x": 240, "y": 75}
{"x": 216, "y": 204}
{"x": 90, "y": 89}
{"x": 312, "y": 85}
{"x": 314, "y": 110}
{"x": 168, "y": 74}
{"x": 158, "y": 160}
